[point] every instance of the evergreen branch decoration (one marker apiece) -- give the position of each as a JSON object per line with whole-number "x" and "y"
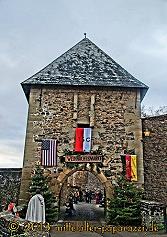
{"x": 91, "y": 166}
{"x": 72, "y": 165}
{"x": 97, "y": 152}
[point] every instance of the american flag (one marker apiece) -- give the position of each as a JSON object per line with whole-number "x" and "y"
{"x": 49, "y": 153}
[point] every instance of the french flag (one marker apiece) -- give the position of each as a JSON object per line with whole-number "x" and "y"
{"x": 83, "y": 139}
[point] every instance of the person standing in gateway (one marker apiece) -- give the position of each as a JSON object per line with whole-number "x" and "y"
{"x": 36, "y": 208}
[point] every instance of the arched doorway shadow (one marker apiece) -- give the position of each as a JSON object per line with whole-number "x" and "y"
{"x": 92, "y": 210}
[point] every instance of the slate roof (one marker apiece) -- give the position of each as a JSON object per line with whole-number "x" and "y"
{"x": 84, "y": 65}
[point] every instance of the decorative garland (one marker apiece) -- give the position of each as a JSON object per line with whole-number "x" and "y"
{"x": 97, "y": 152}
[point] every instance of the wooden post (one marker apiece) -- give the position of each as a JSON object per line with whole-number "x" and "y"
{"x": 75, "y": 106}
{"x": 92, "y": 111}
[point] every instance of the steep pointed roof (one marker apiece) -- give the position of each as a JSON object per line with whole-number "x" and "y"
{"x": 84, "y": 65}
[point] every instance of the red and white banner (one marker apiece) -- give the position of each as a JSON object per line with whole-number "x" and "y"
{"x": 83, "y": 139}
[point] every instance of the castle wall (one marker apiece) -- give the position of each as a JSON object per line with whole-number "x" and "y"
{"x": 155, "y": 158}
{"x": 9, "y": 185}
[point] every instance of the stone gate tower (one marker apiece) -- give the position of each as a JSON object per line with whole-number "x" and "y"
{"x": 83, "y": 87}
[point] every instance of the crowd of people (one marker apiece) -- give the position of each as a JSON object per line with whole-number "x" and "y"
{"x": 86, "y": 196}
{"x": 79, "y": 195}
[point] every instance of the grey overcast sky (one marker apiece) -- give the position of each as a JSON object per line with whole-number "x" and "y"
{"x": 35, "y": 32}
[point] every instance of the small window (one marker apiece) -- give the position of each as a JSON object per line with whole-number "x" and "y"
{"x": 81, "y": 125}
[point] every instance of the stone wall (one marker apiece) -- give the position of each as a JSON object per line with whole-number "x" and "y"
{"x": 153, "y": 212}
{"x": 10, "y": 179}
{"x": 86, "y": 180}
{"x": 56, "y": 112}
{"x": 155, "y": 158}
{"x": 80, "y": 179}
{"x": 93, "y": 183}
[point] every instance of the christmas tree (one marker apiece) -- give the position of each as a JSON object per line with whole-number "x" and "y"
{"x": 39, "y": 181}
{"x": 124, "y": 207}
{"x": 0, "y": 201}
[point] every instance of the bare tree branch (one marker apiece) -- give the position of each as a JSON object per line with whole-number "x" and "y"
{"x": 151, "y": 111}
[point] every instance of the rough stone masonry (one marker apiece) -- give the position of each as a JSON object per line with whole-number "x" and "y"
{"x": 117, "y": 121}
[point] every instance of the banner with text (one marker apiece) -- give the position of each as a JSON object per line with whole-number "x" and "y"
{"x": 84, "y": 158}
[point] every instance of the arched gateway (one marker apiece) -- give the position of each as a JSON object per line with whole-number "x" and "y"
{"x": 107, "y": 185}
{"x": 84, "y": 113}
{"x": 103, "y": 185}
